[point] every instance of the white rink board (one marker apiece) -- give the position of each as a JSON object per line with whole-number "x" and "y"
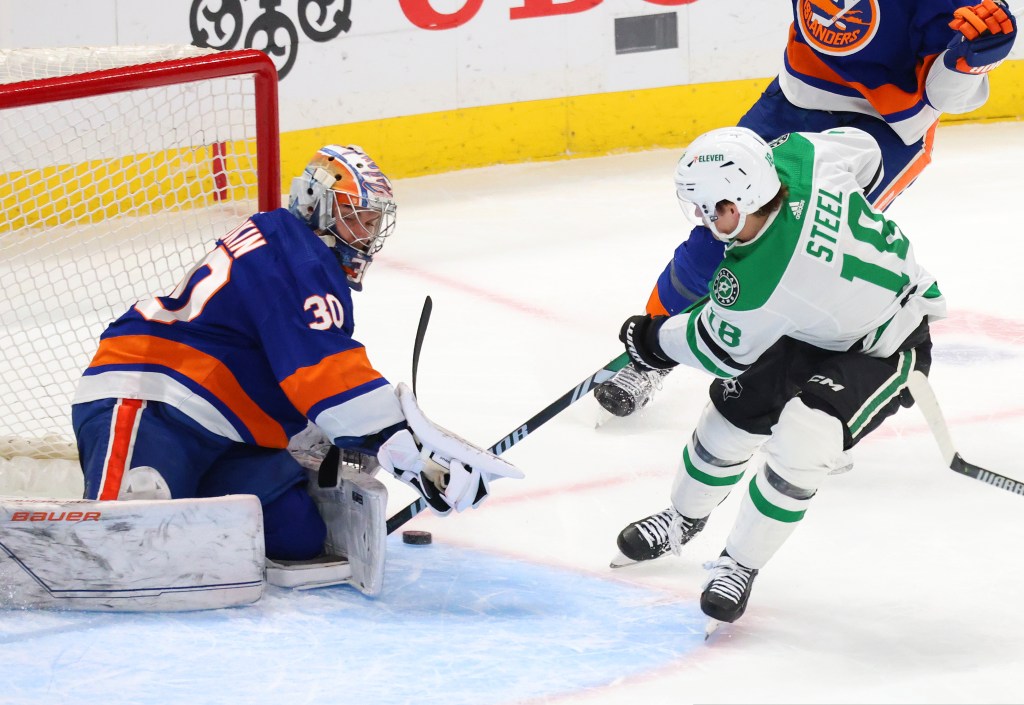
{"x": 387, "y": 66}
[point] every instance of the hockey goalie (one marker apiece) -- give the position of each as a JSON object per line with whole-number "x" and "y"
{"x": 229, "y": 432}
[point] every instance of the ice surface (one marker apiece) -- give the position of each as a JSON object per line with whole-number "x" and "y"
{"x": 902, "y": 585}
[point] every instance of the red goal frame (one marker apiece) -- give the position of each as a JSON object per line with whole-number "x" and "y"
{"x": 176, "y": 71}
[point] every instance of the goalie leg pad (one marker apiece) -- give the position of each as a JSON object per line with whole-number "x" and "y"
{"x": 322, "y": 571}
{"x": 353, "y": 505}
{"x": 131, "y": 556}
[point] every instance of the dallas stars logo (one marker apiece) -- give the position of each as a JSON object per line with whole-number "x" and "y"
{"x": 726, "y": 287}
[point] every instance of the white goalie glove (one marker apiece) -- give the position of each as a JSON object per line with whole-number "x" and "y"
{"x": 448, "y": 471}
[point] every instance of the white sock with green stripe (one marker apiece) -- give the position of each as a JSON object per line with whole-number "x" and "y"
{"x": 713, "y": 463}
{"x": 766, "y": 519}
{"x": 803, "y": 446}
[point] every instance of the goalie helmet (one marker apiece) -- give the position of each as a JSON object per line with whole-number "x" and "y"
{"x": 728, "y": 164}
{"x": 343, "y": 195}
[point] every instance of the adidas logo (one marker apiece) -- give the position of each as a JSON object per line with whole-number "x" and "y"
{"x": 797, "y": 208}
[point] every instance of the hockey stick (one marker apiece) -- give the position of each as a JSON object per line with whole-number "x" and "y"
{"x": 532, "y": 424}
{"x": 924, "y": 395}
{"x": 421, "y": 331}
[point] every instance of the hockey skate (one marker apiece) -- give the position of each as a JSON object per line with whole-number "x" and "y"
{"x": 655, "y": 536}
{"x": 629, "y": 390}
{"x": 726, "y": 591}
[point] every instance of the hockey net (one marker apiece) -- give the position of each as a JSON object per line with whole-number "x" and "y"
{"x": 118, "y": 168}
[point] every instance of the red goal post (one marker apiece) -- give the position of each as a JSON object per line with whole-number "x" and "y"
{"x": 119, "y": 167}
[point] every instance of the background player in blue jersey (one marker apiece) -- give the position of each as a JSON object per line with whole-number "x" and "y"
{"x": 888, "y": 67}
{"x": 197, "y": 393}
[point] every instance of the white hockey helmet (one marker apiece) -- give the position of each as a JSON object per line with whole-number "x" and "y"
{"x": 345, "y": 197}
{"x": 727, "y": 164}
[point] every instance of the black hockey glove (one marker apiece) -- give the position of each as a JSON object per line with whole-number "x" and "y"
{"x": 640, "y": 334}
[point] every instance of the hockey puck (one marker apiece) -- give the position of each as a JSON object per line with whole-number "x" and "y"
{"x": 417, "y": 538}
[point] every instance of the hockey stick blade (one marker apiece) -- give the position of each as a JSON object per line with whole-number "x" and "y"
{"x": 421, "y": 332}
{"x": 532, "y": 424}
{"x": 924, "y": 396}
{"x": 987, "y": 476}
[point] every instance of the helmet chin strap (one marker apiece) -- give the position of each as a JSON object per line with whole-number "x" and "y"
{"x": 722, "y": 237}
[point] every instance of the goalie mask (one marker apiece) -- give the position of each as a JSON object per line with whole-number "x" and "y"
{"x": 728, "y": 164}
{"x": 343, "y": 195}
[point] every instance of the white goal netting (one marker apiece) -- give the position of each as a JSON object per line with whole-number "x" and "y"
{"x": 118, "y": 169}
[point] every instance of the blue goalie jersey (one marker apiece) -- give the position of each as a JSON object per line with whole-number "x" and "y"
{"x": 255, "y": 340}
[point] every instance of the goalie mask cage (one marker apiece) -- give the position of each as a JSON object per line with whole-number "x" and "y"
{"x": 119, "y": 168}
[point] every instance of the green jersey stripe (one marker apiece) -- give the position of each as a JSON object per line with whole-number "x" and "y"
{"x": 691, "y": 340}
{"x": 770, "y": 510}
{"x": 886, "y": 392}
{"x": 704, "y": 477}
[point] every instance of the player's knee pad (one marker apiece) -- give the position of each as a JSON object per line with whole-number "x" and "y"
{"x": 804, "y": 446}
{"x": 720, "y": 442}
{"x": 144, "y": 482}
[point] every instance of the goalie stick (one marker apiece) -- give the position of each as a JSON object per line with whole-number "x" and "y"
{"x": 532, "y": 424}
{"x": 924, "y": 395}
{"x": 421, "y": 331}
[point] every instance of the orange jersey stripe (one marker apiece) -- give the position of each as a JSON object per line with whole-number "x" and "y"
{"x": 910, "y": 172}
{"x": 887, "y": 99}
{"x": 333, "y": 375}
{"x": 122, "y": 438}
{"x": 203, "y": 369}
{"x": 654, "y": 305}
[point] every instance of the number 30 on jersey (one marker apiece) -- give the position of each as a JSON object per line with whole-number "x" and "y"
{"x": 327, "y": 311}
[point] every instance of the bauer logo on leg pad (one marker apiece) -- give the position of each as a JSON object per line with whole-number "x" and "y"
{"x": 56, "y": 516}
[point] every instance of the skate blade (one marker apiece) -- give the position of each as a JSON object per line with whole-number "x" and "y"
{"x": 620, "y": 561}
{"x": 711, "y": 627}
{"x": 603, "y": 417}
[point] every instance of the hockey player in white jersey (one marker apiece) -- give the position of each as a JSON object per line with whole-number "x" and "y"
{"x": 901, "y": 64}
{"x": 816, "y": 317}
